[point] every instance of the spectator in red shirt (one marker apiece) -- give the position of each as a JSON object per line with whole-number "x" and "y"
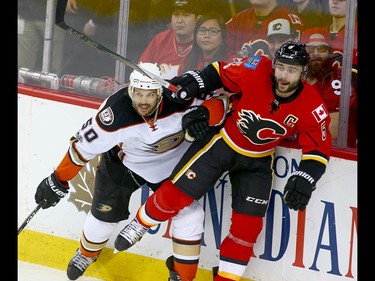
{"x": 169, "y": 48}
{"x": 325, "y": 75}
{"x": 338, "y": 10}
{"x": 247, "y": 30}
{"x": 311, "y": 12}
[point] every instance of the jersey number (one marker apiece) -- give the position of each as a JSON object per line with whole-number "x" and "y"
{"x": 90, "y": 135}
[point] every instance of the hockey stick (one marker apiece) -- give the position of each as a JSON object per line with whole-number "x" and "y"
{"x": 32, "y": 214}
{"x": 59, "y": 21}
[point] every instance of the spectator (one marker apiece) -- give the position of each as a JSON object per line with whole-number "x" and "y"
{"x": 325, "y": 75}
{"x": 170, "y": 48}
{"x": 279, "y": 32}
{"x": 159, "y": 17}
{"x": 337, "y": 10}
{"x": 311, "y": 13}
{"x": 247, "y": 30}
{"x": 140, "y": 139}
{"x": 225, "y": 8}
{"x": 209, "y": 44}
{"x": 338, "y": 13}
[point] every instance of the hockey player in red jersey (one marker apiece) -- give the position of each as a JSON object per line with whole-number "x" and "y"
{"x": 271, "y": 102}
{"x": 139, "y": 136}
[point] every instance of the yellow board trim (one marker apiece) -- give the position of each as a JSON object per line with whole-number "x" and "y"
{"x": 56, "y": 252}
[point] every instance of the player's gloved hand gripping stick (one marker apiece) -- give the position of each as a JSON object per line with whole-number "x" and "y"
{"x": 48, "y": 194}
{"x": 189, "y": 85}
{"x": 51, "y": 190}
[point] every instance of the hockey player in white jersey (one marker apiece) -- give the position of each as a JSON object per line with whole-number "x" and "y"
{"x": 140, "y": 138}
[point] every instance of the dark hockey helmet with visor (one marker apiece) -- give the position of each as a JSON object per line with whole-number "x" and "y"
{"x": 293, "y": 53}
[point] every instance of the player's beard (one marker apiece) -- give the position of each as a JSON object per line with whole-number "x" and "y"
{"x": 285, "y": 90}
{"x": 144, "y": 109}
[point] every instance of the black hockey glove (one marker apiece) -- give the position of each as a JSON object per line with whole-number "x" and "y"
{"x": 195, "y": 122}
{"x": 190, "y": 85}
{"x": 52, "y": 190}
{"x": 298, "y": 189}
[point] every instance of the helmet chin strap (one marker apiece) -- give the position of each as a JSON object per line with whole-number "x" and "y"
{"x": 157, "y": 107}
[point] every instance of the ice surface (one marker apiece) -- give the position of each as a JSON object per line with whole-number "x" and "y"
{"x": 35, "y": 272}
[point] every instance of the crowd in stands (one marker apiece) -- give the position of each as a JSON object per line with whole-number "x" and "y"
{"x": 188, "y": 34}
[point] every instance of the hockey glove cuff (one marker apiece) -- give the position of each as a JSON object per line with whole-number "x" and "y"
{"x": 298, "y": 190}
{"x": 52, "y": 190}
{"x": 195, "y": 122}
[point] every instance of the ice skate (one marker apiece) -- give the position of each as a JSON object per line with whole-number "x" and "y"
{"x": 130, "y": 235}
{"x": 78, "y": 265}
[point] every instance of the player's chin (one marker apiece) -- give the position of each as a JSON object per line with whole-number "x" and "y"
{"x": 143, "y": 111}
{"x": 282, "y": 86}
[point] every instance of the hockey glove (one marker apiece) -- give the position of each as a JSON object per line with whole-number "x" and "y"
{"x": 298, "y": 189}
{"x": 195, "y": 122}
{"x": 52, "y": 190}
{"x": 190, "y": 85}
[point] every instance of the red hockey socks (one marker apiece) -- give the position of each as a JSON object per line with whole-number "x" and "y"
{"x": 238, "y": 246}
{"x": 166, "y": 202}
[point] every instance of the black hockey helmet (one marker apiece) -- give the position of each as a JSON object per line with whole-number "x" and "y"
{"x": 293, "y": 53}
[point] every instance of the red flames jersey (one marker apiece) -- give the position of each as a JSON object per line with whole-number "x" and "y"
{"x": 163, "y": 51}
{"x": 246, "y": 31}
{"x": 254, "y": 129}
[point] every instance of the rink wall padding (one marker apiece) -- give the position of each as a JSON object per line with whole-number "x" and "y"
{"x": 56, "y": 252}
{"x": 319, "y": 244}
